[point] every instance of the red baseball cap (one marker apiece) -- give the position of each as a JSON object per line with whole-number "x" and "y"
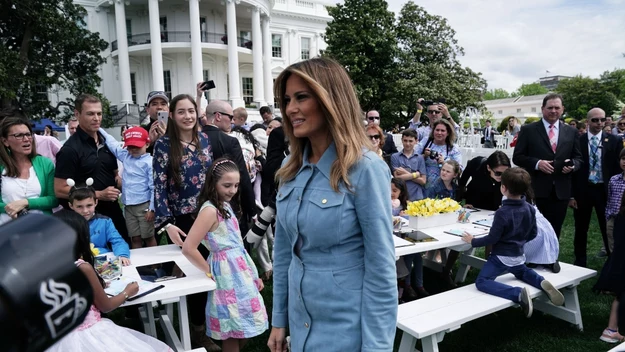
{"x": 136, "y": 137}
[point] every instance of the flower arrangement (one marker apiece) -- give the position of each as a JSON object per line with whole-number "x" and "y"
{"x": 429, "y": 207}
{"x": 94, "y": 250}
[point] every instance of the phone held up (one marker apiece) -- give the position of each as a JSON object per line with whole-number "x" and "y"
{"x": 208, "y": 85}
{"x": 163, "y": 116}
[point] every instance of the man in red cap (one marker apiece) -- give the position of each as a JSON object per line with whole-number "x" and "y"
{"x": 137, "y": 184}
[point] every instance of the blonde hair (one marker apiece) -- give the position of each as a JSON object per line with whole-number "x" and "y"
{"x": 373, "y": 126}
{"x": 332, "y": 88}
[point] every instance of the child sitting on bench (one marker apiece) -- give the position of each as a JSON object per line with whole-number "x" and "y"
{"x": 513, "y": 225}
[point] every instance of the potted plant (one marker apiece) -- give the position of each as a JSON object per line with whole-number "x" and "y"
{"x": 429, "y": 212}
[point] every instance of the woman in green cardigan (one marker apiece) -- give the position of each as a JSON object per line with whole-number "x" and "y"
{"x": 26, "y": 179}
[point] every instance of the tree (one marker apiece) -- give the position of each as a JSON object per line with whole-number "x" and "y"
{"x": 531, "y": 89}
{"x": 428, "y": 64}
{"x": 614, "y": 81}
{"x": 497, "y": 93}
{"x": 45, "y": 44}
{"x": 361, "y": 36}
{"x": 581, "y": 94}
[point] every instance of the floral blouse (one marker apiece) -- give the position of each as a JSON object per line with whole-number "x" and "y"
{"x": 169, "y": 199}
{"x": 432, "y": 166}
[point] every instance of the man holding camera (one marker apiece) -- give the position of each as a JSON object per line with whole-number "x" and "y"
{"x": 157, "y": 101}
{"x": 435, "y": 110}
{"x": 549, "y": 150}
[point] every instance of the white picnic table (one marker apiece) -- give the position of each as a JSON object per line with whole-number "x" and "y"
{"x": 174, "y": 291}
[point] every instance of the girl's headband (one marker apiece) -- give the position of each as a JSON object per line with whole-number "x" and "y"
{"x": 223, "y": 162}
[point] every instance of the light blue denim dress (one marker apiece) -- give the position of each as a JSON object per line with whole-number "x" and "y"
{"x": 334, "y": 266}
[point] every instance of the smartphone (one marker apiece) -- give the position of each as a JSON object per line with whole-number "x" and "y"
{"x": 163, "y": 116}
{"x": 569, "y": 162}
{"x": 207, "y": 85}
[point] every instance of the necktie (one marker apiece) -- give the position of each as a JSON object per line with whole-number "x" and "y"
{"x": 552, "y": 138}
{"x": 595, "y": 161}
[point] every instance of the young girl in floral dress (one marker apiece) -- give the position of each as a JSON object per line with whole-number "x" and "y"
{"x": 235, "y": 311}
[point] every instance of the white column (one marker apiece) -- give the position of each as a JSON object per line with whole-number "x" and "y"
{"x": 196, "y": 42}
{"x": 314, "y": 49}
{"x": 122, "y": 52}
{"x": 233, "y": 55}
{"x": 257, "y": 57}
{"x": 268, "y": 79}
{"x": 158, "y": 82}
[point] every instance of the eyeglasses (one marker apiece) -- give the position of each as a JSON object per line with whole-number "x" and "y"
{"x": 621, "y": 123}
{"x": 595, "y": 120}
{"x": 434, "y": 112}
{"x": 371, "y": 118}
{"x": 22, "y": 135}
{"x": 229, "y": 116}
{"x": 375, "y": 136}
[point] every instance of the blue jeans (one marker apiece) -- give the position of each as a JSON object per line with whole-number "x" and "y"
{"x": 485, "y": 281}
{"x": 416, "y": 272}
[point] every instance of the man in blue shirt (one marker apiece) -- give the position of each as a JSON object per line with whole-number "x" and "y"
{"x": 407, "y": 165}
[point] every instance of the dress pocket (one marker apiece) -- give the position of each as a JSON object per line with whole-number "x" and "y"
{"x": 349, "y": 279}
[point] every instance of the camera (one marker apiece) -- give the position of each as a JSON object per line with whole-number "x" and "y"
{"x": 427, "y": 103}
{"x": 434, "y": 155}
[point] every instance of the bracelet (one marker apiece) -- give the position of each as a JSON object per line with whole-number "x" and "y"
{"x": 125, "y": 296}
{"x": 414, "y": 175}
{"x": 163, "y": 229}
{"x": 209, "y": 275}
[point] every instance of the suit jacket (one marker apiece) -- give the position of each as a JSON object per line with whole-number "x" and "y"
{"x": 224, "y": 145}
{"x": 389, "y": 145}
{"x": 533, "y": 145}
{"x": 611, "y": 147}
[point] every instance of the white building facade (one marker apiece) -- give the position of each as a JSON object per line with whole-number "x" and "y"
{"x": 170, "y": 45}
{"x": 520, "y": 107}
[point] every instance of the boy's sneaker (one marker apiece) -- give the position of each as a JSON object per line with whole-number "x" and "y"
{"x": 526, "y": 302}
{"x": 556, "y": 297}
{"x": 610, "y": 336}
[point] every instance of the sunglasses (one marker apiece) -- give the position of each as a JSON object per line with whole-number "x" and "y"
{"x": 371, "y": 118}
{"x": 375, "y": 136}
{"x": 434, "y": 112}
{"x": 595, "y": 120}
{"x": 229, "y": 116}
{"x": 22, "y": 136}
{"x": 621, "y": 123}
{"x": 497, "y": 173}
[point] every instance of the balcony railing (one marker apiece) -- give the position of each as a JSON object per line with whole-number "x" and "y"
{"x": 183, "y": 37}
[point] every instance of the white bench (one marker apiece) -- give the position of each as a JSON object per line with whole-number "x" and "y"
{"x": 619, "y": 348}
{"x": 430, "y": 318}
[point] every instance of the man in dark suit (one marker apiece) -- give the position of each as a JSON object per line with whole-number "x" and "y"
{"x": 224, "y": 145}
{"x": 549, "y": 150}
{"x": 600, "y": 152}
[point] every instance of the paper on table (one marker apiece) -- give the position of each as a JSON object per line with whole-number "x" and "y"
{"x": 484, "y": 222}
{"x": 400, "y": 242}
{"x": 117, "y": 286}
{"x": 473, "y": 232}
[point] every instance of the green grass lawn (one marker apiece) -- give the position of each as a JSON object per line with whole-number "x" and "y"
{"x": 508, "y": 330}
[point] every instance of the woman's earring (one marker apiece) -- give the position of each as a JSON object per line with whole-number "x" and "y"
{"x": 8, "y": 150}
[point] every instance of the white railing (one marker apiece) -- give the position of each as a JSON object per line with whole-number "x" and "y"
{"x": 306, "y": 4}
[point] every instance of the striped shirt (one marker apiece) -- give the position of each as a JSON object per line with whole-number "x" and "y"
{"x": 616, "y": 187}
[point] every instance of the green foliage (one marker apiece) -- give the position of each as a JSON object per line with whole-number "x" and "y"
{"x": 531, "y": 89}
{"x": 531, "y": 120}
{"x": 45, "y": 45}
{"x": 498, "y": 93}
{"x": 362, "y": 38}
{"x": 614, "y": 82}
{"x": 393, "y": 64}
{"x": 581, "y": 94}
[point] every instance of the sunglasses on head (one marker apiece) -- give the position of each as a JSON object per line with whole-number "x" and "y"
{"x": 371, "y": 118}
{"x": 434, "y": 112}
{"x": 374, "y": 136}
{"x": 596, "y": 119}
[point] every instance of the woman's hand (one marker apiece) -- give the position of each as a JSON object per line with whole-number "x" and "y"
{"x": 174, "y": 233}
{"x": 13, "y": 208}
{"x": 132, "y": 289}
{"x": 198, "y": 89}
{"x": 125, "y": 261}
{"x": 426, "y": 153}
{"x": 441, "y": 158}
{"x": 259, "y": 284}
{"x": 277, "y": 340}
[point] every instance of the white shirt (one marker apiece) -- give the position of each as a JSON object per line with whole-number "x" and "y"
{"x": 14, "y": 188}
{"x": 556, "y": 130}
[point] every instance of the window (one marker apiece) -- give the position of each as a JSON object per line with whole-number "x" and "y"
{"x": 248, "y": 90}
{"x": 41, "y": 93}
{"x": 133, "y": 87}
{"x": 205, "y": 76}
{"x": 305, "y": 48}
{"x": 203, "y": 30}
{"x": 163, "y": 23}
{"x": 128, "y": 28}
{"x": 167, "y": 80}
{"x": 500, "y": 112}
{"x": 276, "y": 45}
{"x": 533, "y": 109}
{"x": 244, "y": 37}
{"x": 518, "y": 110}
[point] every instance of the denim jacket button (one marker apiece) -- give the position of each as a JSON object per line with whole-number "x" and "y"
{"x": 306, "y": 325}
{"x": 324, "y": 201}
